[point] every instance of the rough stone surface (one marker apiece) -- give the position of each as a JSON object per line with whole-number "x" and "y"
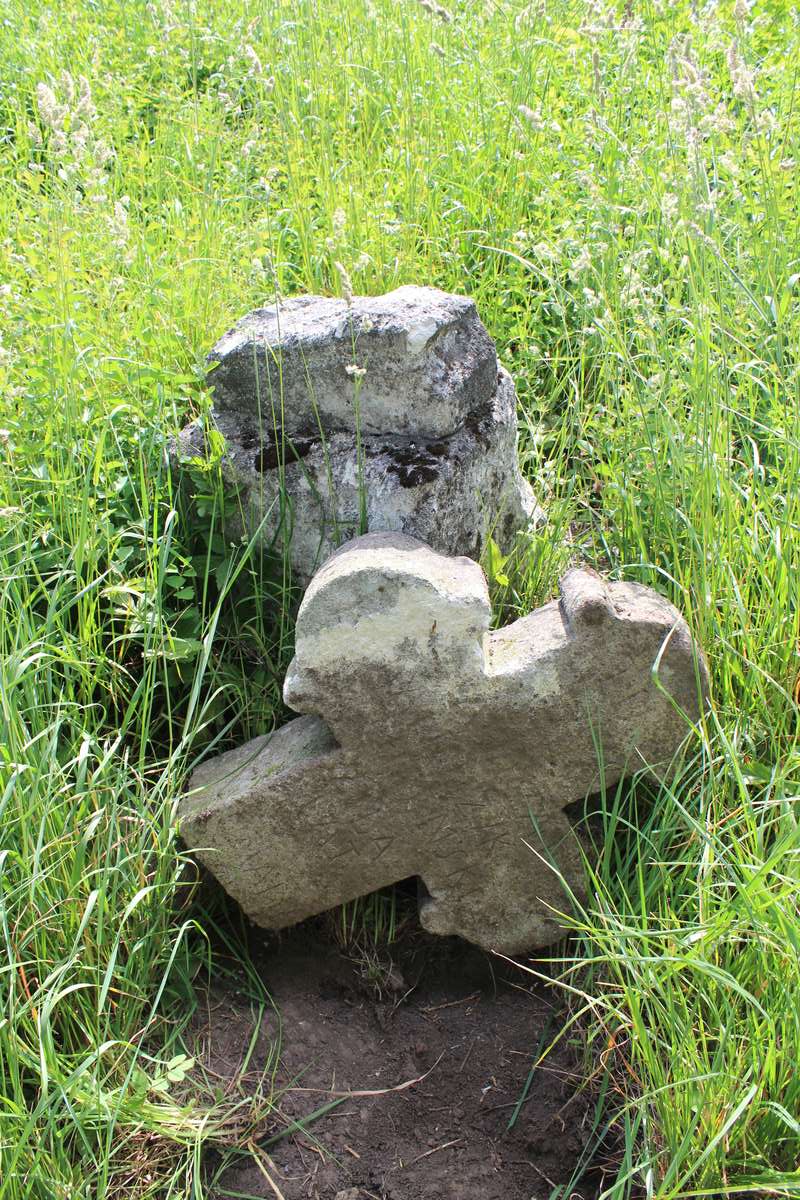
{"x": 432, "y": 746}
{"x": 423, "y": 442}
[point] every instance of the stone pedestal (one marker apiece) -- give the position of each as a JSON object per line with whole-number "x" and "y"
{"x": 387, "y": 413}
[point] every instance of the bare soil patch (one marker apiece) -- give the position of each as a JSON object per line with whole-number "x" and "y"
{"x": 467, "y": 1027}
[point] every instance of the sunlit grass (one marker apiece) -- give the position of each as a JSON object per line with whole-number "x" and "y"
{"x": 617, "y": 188}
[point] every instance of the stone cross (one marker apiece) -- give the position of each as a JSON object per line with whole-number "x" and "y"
{"x": 436, "y": 747}
{"x": 381, "y": 412}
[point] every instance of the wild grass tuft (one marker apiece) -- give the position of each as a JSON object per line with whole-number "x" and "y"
{"x": 616, "y": 186}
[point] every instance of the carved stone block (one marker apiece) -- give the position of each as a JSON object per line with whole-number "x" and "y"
{"x": 433, "y": 746}
{"x": 388, "y": 413}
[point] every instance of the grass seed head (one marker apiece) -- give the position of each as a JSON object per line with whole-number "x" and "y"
{"x": 51, "y": 112}
{"x": 346, "y": 282}
{"x": 532, "y": 115}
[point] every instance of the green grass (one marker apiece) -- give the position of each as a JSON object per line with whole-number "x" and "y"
{"x": 631, "y": 239}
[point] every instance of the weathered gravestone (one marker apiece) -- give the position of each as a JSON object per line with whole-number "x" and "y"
{"x": 386, "y": 413}
{"x": 434, "y": 747}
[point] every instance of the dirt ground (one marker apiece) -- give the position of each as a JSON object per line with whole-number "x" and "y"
{"x": 465, "y": 1026}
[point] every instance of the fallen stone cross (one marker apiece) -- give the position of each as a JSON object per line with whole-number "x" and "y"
{"x": 387, "y": 412}
{"x": 438, "y": 748}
